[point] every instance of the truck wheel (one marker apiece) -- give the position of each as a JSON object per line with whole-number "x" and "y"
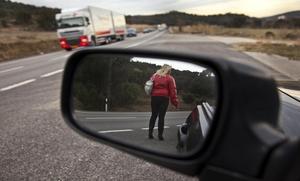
{"x": 107, "y": 40}
{"x": 122, "y": 37}
{"x": 68, "y": 49}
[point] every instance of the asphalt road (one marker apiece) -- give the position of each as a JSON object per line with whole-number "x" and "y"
{"x": 36, "y": 144}
{"x": 132, "y": 128}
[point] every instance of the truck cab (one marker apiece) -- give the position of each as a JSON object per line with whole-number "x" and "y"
{"x": 74, "y": 29}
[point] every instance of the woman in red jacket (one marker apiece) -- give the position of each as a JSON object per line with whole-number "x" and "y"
{"x": 164, "y": 87}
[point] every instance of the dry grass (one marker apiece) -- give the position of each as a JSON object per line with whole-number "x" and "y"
{"x": 290, "y": 51}
{"x": 23, "y": 49}
{"x": 140, "y": 27}
{"x": 15, "y": 43}
{"x": 13, "y": 35}
{"x": 276, "y": 34}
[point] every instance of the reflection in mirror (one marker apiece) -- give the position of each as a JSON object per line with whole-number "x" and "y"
{"x": 157, "y": 104}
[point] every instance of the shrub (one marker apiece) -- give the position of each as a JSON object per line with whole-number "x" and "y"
{"x": 128, "y": 94}
{"x": 46, "y": 21}
{"x": 188, "y": 98}
{"x": 4, "y": 23}
{"x": 291, "y": 36}
{"x": 269, "y": 35}
{"x": 23, "y": 18}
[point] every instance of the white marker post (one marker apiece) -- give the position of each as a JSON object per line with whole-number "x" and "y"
{"x": 106, "y": 107}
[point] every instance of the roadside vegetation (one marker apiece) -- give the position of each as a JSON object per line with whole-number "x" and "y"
{"x": 122, "y": 82}
{"x": 256, "y": 33}
{"x": 26, "y": 30}
{"x": 290, "y": 51}
{"x": 280, "y": 41}
{"x": 15, "y": 43}
{"x": 28, "y": 17}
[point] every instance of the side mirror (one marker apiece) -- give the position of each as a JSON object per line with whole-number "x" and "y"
{"x": 226, "y": 114}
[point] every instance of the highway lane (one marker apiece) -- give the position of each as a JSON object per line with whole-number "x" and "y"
{"x": 34, "y": 68}
{"x": 132, "y": 127}
{"x": 133, "y": 120}
{"x": 37, "y": 145}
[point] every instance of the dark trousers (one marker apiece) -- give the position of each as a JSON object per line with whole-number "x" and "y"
{"x": 159, "y": 106}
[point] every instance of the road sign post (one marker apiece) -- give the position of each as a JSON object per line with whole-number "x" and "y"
{"x": 106, "y": 107}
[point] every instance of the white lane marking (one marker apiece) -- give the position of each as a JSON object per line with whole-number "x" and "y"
{"x": 294, "y": 93}
{"x": 17, "y": 85}
{"x": 154, "y": 128}
{"x": 52, "y": 73}
{"x": 65, "y": 56}
{"x": 57, "y": 58}
{"x": 203, "y": 122}
{"x": 60, "y": 57}
{"x": 141, "y": 42}
{"x": 110, "y": 118}
{"x": 11, "y": 69}
{"x": 115, "y": 131}
{"x": 28, "y": 59}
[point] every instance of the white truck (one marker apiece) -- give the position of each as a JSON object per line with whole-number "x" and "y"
{"x": 89, "y": 26}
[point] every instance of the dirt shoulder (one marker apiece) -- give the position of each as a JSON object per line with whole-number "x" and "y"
{"x": 256, "y": 33}
{"x": 291, "y": 51}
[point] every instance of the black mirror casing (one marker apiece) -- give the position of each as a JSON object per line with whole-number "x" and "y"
{"x": 245, "y": 127}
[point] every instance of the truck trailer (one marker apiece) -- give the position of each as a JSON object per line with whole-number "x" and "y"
{"x": 89, "y": 26}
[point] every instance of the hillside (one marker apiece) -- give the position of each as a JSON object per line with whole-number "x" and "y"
{"x": 175, "y": 18}
{"x": 29, "y": 17}
{"x": 288, "y": 15}
{"x": 284, "y": 20}
{"x": 179, "y": 18}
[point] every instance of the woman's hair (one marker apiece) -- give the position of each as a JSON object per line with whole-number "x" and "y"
{"x": 164, "y": 70}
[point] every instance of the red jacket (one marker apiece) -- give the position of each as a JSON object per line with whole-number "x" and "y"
{"x": 165, "y": 86}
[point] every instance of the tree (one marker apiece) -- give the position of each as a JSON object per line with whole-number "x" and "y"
{"x": 4, "y": 23}
{"x": 46, "y": 22}
{"x": 23, "y": 18}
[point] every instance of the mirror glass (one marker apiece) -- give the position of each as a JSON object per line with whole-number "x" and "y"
{"x": 159, "y": 104}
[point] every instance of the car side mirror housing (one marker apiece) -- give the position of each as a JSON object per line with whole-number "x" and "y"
{"x": 226, "y": 121}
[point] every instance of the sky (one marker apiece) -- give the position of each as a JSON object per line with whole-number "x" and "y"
{"x": 255, "y": 8}
{"x": 174, "y": 64}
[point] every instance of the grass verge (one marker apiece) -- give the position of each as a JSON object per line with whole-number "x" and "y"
{"x": 17, "y": 43}
{"x": 257, "y": 33}
{"x": 9, "y": 51}
{"x": 290, "y": 51}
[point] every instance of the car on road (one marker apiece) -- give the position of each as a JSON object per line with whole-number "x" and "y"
{"x": 131, "y": 32}
{"x": 148, "y": 30}
{"x": 192, "y": 132}
{"x": 162, "y": 27}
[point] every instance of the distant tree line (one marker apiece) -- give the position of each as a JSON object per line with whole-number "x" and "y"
{"x": 175, "y": 18}
{"x": 122, "y": 82}
{"x": 43, "y": 18}
{"x": 19, "y": 14}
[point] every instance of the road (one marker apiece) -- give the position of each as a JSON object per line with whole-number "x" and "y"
{"x": 132, "y": 128}
{"x": 36, "y": 144}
